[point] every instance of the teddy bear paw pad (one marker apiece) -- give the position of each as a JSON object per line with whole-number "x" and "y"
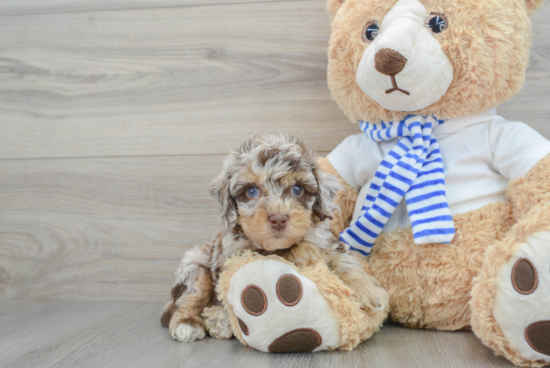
{"x": 523, "y": 296}
{"x": 279, "y": 310}
{"x": 302, "y": 339}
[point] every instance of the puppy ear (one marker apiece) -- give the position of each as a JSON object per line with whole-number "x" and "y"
{"x": 328, "y": 186}
{"x": 533, "y": 5}
{"x": 333, "y": 6}
{"x": 220, "y": 189}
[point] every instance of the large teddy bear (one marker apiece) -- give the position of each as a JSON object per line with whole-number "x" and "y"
{"x": 449, "y": 201}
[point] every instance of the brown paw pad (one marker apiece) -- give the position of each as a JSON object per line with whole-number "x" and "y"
{"x": 289, "y": 290}
{"x": 254, "y": 300}
{"x": 243, "y": 326}
{"x": 524, "y": 276}
{"x": 538, "y": 336}
{"x": 300, "y": 340}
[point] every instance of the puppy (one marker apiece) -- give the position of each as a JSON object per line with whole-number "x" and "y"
{"x": 272, "y": 195}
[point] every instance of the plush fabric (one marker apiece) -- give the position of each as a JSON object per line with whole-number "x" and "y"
{"x": 275, "y": 318}
{"x": 413, "y": 169}
{"x": 419, "y": 69}
{"x": 480, "y": 153}
{"x": 353, "y": 324}
{"x": 493, "y": 276}
{"x": 452, "y": 287}
{"x": 473, "y": 47}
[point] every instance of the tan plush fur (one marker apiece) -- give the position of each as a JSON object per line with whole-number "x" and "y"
{"x": 489, "y": 57}
{"x": 345, "y": 198}
{"x": 439, "y": 286}
{"x": 531, "y": 190}
{"x": 429, "y": 285}
{"x": 356, "y": 323}
{"x": 483, "y": 322}
{"x": 452, "y": 287}
{"x": 531, "y": 208}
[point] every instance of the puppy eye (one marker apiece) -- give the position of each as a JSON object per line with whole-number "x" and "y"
{"x": 252, "y": 192}
{"x": 297, "y": 190}
{"x": 370, "y": 31}
{"x": 437, "y": 22}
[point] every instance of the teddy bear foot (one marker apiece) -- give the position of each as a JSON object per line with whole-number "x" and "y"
{"x": 279, "y": 310}
{"x": 521, "y": 304}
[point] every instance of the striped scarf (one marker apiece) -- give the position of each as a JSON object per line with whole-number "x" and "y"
{"x": 412, "y": 169}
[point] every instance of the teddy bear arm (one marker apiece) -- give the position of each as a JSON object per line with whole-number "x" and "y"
{"x": 345, "y": 199}
{"x": 531, "y": 190}
{"x": 352, "y": 270}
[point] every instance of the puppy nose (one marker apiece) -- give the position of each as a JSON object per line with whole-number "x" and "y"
{"x": 278, "y": 222}
{"x": 389, "y": 62}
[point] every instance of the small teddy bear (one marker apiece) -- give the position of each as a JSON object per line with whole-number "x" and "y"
{"x": 449, "y": 202}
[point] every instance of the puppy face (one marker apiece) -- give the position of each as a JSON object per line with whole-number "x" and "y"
{"x": 273, "y": 189}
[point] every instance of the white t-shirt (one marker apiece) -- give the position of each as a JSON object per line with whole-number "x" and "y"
{"x": 481, "y": 154}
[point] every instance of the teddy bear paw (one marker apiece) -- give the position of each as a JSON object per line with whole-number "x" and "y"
{"x": 279, "y": 310}
{"x": 522, "y": 301}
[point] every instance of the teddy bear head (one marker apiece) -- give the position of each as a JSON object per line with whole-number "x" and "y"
{"x": 450, "y": 58}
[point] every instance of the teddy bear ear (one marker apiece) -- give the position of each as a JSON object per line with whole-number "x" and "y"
{"x": 334, "y": 5}
{"x": 531, "y": 5}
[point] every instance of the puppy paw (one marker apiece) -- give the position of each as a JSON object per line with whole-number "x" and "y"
{"x": 279, "y": 310}
{"x": 187, "y": 330}
{"x": 217, "y": 322}
{"x": 522, "y": 301}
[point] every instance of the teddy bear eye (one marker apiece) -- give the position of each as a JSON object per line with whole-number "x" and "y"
{"x": 436, "y": 22}
{"x": 370, "y": 31}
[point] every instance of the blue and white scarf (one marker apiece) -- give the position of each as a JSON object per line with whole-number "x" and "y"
{"x": 412, "y": 169}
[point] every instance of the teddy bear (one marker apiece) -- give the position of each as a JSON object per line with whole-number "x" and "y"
{"x": 448, "y": 202}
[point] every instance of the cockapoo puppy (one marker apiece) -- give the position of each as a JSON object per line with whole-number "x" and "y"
{"x": 273, "y": 195}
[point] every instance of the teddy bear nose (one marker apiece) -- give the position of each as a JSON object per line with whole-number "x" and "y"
{"x": 278, "y": 222}
{"x": 389, "y": 62}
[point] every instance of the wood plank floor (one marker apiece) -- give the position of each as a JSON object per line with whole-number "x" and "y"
{"x": 117, "y": 334}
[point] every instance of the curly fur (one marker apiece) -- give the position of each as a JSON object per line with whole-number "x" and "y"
{"x": 273, "y": 164}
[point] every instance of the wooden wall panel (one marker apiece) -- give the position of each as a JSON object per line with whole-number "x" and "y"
{"x": 195, "y": 80}
{"x": 113, "y": 124}
{"x": 34, "y": 7}
{"x": 110, "y": 228}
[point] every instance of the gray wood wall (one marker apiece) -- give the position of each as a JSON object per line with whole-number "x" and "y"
{"x": 116, "y": 114}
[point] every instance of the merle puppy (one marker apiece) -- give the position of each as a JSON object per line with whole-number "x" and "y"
{"x": 272, "y": 195}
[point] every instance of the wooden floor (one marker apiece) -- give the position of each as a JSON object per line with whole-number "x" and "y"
{"x": 114, "y": 117}
{"x": 125, "y": 334}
